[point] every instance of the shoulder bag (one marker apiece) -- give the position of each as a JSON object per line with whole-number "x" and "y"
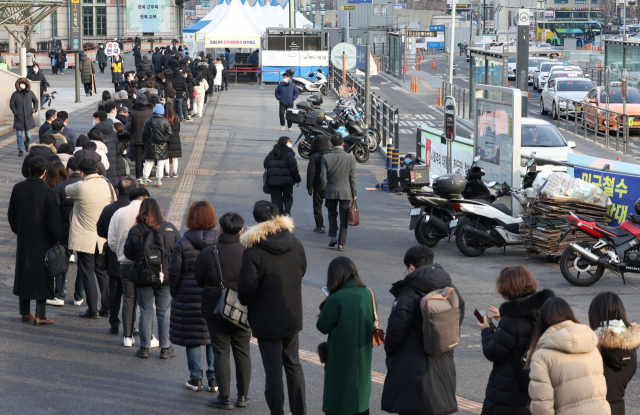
{"x": 378, "y": 333}
{"x": 353, "y": 216}
{"x": 265, "y": 183}
{"x": 56, "y": 261}
{"x": 229, "y": 307}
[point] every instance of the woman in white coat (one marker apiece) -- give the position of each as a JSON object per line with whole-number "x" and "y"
{"x": 217, "y": 81}
{"x": 201, "y": 86}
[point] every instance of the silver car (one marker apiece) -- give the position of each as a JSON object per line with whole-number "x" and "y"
{"x": 534, "y": 63}
{"x": 542, "y": 74}
{"x": 572, "y": 88}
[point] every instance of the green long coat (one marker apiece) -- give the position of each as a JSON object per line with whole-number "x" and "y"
{"x": 347, "y": 317}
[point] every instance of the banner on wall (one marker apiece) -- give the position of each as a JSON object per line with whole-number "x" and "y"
{"x": 232, "y": 42}
{"x": 149, "y": 16}
{"x": 434, "y": 152}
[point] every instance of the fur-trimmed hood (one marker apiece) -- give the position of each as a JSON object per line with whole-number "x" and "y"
{"x": 59, "y": 136}
{"x": 23, "y": 81}
{"x": 609, "y": 339}
{"x": 52, "y": 148}
{"x": 523, "y": 306}
{"x": 274, "y": 230}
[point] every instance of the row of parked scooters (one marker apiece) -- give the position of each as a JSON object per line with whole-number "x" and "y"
{"x": 346, "y": 119}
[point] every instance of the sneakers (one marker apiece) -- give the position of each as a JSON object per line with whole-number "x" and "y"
{"x": 129, "y": 341}
{"x": 243, "y": 401}
{"x": 154, "y": 342}
{"x": 194, "y": 384}
{"x": 319, "y": 230}
{"x": 213, "y": 385}
{"x": 333, "y": 242}
{"x": 167, "y": 353}
{"x": 158, "y": 183}
{"x": 56, "y": 302}
{"x": 143, "y": 183}
{"x": 139, "y": 180}
{"x": 221, "y": 402}
{"x": 283, "y": 128}
{"x": 143, "y": 353}
{"x": 72, "y": 259}
{"x": 78, "y": 302}
{"x": 289, "y": 128}
{"x": 174, "y": 175}
{"x": 42, "y": 108}
{"x": 20, "y": 153}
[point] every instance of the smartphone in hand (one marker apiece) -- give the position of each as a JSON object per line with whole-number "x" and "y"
{"x": 326, "y": 291}
{"x": 480, "y": 316}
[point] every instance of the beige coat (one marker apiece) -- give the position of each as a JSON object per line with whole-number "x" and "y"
{"x": 567, "y": 374}
{"x": 91, "y": 195}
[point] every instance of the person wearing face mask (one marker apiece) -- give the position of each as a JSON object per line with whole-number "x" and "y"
{"x": 282, "y": 174}
{"x": 23, "y": 105}
{"x": 286, "y": 94}
{"x": 101, "y": 55}
{"x": 116, "y": 71}
{"x": 38, "y": 76}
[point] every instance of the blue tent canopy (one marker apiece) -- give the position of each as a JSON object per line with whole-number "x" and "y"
{"x": 274, "y": 3}
{"x": 259, "y": 2}
{"x": 194, "y": 28}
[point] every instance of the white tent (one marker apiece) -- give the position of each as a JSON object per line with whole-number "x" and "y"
{"x": 234, "y": 30}
{"x": 256, "y": 18}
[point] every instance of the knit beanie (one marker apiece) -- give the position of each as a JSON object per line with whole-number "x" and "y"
{"x": 159, "y": 109}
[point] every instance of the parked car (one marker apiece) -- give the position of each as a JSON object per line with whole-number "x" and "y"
{"x": 542, "y": 138}
{"x": 574, "y": 89}
{"x": 596, "y": 100}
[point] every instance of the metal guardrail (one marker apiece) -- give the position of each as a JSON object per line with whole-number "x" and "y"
{"x": 596, "y": 74}
{"x": 604, "y": 123}
{"x": 461, "y": 96}
{"x": 382, "y": 115}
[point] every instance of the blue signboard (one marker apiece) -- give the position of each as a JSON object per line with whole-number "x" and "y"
{"x": 436, "y": 28}
{"x": 361, "y": 61}
{"x": 360, "y": 1}
{"x": 398, "y": 5}
{"x": 623, "y": 190}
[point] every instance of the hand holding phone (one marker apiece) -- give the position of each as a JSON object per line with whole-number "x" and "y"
{"x": 326, "y": 291}
{"x": 480, "y": 315}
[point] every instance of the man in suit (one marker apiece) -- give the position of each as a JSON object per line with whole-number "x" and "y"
{"x": 338, "y": 179}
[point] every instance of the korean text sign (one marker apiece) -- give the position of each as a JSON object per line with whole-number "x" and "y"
{"x": 623, "y": 190}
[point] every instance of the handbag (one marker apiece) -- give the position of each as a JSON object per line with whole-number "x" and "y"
{"x": 228, "y": 307}
{"x": 56, "y": 261}
{"x": 265, "y": 183}
{"x": 353, "y": 216}
{"x": 378, "y": 334}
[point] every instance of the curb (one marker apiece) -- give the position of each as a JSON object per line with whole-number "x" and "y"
{"x": 391, "y": 79}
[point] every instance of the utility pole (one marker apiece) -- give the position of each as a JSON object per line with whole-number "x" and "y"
{"x": 484, "y": 17}
{"x": 544, "y": 23}
{"x": 453, "y": 30}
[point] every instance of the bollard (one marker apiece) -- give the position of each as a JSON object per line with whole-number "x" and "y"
{"x": 439, "y": 97}
{"x": 389, "y": 155}
{"x": 396, "y": 158}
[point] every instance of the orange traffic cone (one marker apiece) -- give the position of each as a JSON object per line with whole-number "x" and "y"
{"x": 434, "y": 64}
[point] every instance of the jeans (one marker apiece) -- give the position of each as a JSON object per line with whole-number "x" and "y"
{"x": 129, "y": 299}
{"x": 27, "y": 141}
{"x": 41, "y": 308}
{"x": 88, "y": 271}
{"x": 318, "y": 197}
{"x": 225, "y": 81}
{"x": 148, "y": 165}
{"x": 282, "y": 196}
{"x": 194, "y": 357}
{"x": 61, "y": 66}
{"x": 43, "y": 100}
{"x": 178, "y": 108}
{"x": 275, "y": 354}
{"x": 281, "y": 112}
{"x": 333, "y": 205}
{"x": 224, "y": 338}
{"x": 146, "y": 296}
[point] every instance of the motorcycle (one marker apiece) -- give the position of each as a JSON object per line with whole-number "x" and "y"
{"x": 617, "y": 249}
{"x": 307, "y": 85}
{"x": 434, "y": 215}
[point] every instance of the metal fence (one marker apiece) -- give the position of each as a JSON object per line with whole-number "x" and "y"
{"x": 596, "y": 74}
{"x": 382, "y": 116}
{"x": 594, "y": 122}
{"x": 461, "y": 96}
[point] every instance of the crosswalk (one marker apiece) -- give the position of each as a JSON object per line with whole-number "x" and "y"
{"x": 415, "y": 120}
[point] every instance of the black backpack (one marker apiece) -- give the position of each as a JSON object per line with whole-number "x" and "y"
{"x": 152, "y": 262}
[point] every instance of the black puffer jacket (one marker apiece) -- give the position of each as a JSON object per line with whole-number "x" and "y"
{"x": 225, "y": 66}
{"x": 87, "y": 68}
{"x": 91, "y": 154}
{"x": 140, "y": 112}
{"x": 38, "y": 77}
{"x": 179, "y": 85}
{"x": 212, "y": 72}
{"x": 36, "y": 150}
{"x": 66, "y": 203}
{"x": 230, "y": 252}
{"x": 23, "y": 105}
{"x": 508, "y": 386}
{"x": 156, "y": 135}
{"x": 123, "y": 143}
{"x": 620, "y": 360}
{"x": 203, "y": 68}
{"x": 281, "y": 172}
{"x": 111, "y": 141}
{"x": 113, "y": 266}
{"x": 270, "y": 280}
{"x": 145, "y": 65}
{"x": 417, "y": 383}
{"x": 156, "y": 59}
{"x": 188, "y": 327}
{"x": 319, "y": 147}
{"x": 175, "y": 147}
{"x": 189, "y": 83}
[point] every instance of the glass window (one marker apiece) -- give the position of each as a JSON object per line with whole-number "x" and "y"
{"x": 87, "y": 21}
{"x": 101, "y": 1}
{"x": 88, "y": 1}
{"x": 581, "y": 1}
{"x": 375, "y": 38}
{"x": 101, "y": 21}
{"x": 561, "y": 1}
{"x": 576, "y": 86}
{"x": 376, "y": 9}
{"x": 383, "y": 10}
{"x": 359, "y": 40}
{"x": 633, "y": 96}
{"x": 613, "y": 55}
{"x": 540, "y": 136}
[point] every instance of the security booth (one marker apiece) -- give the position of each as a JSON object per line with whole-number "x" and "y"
{"x": 490, "y": 66}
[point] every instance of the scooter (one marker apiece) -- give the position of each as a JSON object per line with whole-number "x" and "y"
{"x": 307, "y": 85}
{"x": 617, "y": 249}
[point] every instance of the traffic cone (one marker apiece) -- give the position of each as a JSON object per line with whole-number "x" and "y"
{"x": 434, "y": 64}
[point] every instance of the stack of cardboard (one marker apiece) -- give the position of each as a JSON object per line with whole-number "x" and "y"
{"x": 544, "y": 222}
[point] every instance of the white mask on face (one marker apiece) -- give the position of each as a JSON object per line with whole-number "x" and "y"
{"x": 23, "y": 86}
{"x": 94, "y": 122}
{"x": 289, "y": 145}
{"x": 35, "y": 70}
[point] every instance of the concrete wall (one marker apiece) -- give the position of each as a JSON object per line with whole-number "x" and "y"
{"x": 8, "y": 79}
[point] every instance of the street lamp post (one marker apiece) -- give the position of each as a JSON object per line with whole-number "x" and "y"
{"x": 540, "y": 5}
{"x": 313, "y": 11}
{"x": 322, "y": 13}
